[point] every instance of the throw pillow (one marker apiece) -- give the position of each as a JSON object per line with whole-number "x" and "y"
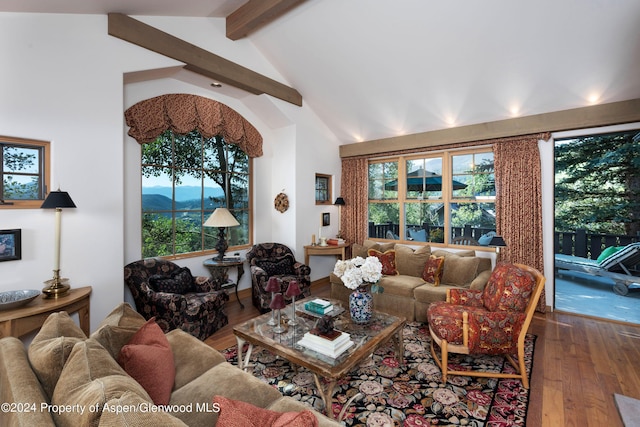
{"x": 149, "y": 360}
{"x": 610, "y": 250}
{"x": 276, "y": 266}
{"x": 460, "y": 271}
{"x": 51, "y": 348}
{"x": 179, "y": 282}
{"x": 411, "y": 262}
{"x": 236, "y": 413}
{"x": 387, "y": 259}
{"x": 117, "y": 328}
{"x": 433, "y": 270}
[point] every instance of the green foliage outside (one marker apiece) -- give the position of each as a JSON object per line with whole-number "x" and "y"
{"x": 597, "y": 184}
{"x": 210, "y": 161}
{"x": 20, "y": 167}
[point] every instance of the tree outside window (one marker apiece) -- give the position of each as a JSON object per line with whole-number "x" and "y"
{"x": 23, "y": 165}
{"x": 184, "y": 179}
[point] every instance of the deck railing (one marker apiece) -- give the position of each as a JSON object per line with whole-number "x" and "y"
{"x": 577, "y": 243}
{"x": 379, "y": 231}
{"x": 588, "y": 245}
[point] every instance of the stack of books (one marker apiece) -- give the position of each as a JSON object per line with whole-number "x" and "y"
{"x": 336, "y": 242}
{"x": 318, "y": 306}
{"x": 332, "y": 344}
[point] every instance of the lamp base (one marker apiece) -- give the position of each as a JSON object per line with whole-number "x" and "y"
{"x": 58, "y": 287}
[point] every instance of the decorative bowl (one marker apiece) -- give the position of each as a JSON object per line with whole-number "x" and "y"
{"x": 14, "y": 299}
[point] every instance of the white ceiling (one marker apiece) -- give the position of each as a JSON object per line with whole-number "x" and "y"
{"x": 378, "y": 68}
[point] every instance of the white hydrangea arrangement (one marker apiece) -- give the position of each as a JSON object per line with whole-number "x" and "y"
{"x": 357, "y": 271}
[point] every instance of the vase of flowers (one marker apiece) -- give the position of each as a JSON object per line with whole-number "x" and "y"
{"x": 358, "y": 274}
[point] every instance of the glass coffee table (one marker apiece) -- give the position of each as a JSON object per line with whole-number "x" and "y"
{"x": 367, "y": 338}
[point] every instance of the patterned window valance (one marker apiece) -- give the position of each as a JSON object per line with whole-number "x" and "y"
{"x": 183, "y": 113}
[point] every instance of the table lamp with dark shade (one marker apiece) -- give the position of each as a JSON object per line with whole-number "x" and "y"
{"x": 293, "y": 290}
{"x": 58, "y": 286}
{"x": 221, "y": 218}
{"x": 497, "y": 242}
{"x": 340, "y": 203}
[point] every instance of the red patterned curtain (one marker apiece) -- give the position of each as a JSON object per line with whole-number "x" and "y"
{"x": 519, "y": 201}
{"x": 353, "y": 189}
{"x": 183, "y": 113}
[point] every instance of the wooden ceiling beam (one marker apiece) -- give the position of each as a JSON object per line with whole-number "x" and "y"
{"x": 255, "y": 14}
{"x": 197, "y": 59}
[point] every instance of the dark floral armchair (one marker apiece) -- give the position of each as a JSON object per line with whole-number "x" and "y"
{"x": 275, "y": 260}
{"x": 178, "y": 300}
{"x": 492, "y": 321}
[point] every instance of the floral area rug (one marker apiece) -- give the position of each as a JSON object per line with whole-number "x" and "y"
{"x": 409, "y": 395}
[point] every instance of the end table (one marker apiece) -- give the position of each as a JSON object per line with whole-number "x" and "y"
{"x": 219, "y": 271}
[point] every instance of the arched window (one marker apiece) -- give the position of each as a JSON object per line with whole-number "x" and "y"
{"x": 196, "y": 156}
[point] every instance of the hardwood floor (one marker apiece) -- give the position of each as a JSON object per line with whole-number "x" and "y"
{"x": 579, "y": 363}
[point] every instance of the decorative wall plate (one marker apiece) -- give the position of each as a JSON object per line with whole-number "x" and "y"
{"x": 281, "y": 202}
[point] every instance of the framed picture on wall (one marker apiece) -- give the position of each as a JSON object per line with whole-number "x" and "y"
{"x": 10, "y": 244}
{"x": 323, "y": 189}
{"x": 326, "y": 219}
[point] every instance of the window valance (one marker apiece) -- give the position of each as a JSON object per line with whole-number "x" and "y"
{"x": 183, "y": 113}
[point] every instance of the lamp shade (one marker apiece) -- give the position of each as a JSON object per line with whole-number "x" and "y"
{"x": 293, "y": 290}
{"x": 58, "y": 199}
{"x": 273, "y": 285}
{"x": 277, "y": 302}
{"x": 221, "y": 217}
{"x": 339, "y": 201}
{"x": 497, "y": 241}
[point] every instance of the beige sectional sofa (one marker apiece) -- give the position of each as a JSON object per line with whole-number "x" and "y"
{"x": 407, "y": 294}
{"x": 67, "y": 379}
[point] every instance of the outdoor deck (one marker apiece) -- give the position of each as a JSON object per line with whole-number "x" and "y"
{"x": 592, "y": 296}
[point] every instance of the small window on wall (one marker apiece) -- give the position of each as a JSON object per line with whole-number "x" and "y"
{"x": 24, "y": 165}
{"x": 323, "y": 189}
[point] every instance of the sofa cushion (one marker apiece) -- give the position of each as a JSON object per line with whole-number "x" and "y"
{"x": 117, "y": 328}
{"x": 508, "y": 289}
{"x": 89, "y": 379}
{"x": 115, "y": 415}
{"x": 459, "y": 271}
{"x": 400, "y": 285}
{"x": 51, "y": 347}
{"x": 179, "y": 282}
{"x": 442, "y": 252}
{"x": 411, "y": 261}
{"x": 147, "y": 357}
{"x": 387, "y": 259}
{"x": 432, "y": 272}
{"x": 192, "y": 358}
{"x": 236, "y": 413}
{"x": 222, "y": 379}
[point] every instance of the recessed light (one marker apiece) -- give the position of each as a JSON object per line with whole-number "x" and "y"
{"x": 216, "y": 84}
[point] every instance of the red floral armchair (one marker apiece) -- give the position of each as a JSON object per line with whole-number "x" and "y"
{"x": 275, "y": 260}
{"x": 492, "y": 321}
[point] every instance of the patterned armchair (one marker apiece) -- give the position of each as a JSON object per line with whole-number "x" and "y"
{"x": 277, "y": 260}
{"x": 492, "y": 321}
{"x": 178, "y": 300}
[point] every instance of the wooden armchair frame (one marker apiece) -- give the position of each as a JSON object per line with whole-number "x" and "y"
{"x": 519, "y": 366}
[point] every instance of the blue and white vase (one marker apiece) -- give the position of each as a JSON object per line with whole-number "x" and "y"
{"x": 360, "y": 305}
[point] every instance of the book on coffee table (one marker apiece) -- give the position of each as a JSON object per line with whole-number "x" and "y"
{"x": 332, "y": 344}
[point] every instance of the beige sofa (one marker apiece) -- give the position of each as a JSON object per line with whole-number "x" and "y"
{"x": 67, "y": 379}
{"x": 407, "y": 294}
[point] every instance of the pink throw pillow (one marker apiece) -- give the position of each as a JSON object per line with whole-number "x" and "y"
{"x": 148, "y": 359}
{"x": 236, "y": 413}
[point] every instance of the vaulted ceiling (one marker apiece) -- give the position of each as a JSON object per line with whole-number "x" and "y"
{"x": 374, "y": 69}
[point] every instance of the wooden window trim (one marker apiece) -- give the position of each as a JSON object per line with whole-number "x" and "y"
{"x": 31, "y": 204}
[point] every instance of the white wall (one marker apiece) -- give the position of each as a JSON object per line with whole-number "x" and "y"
{"x": 63, "y": 82}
